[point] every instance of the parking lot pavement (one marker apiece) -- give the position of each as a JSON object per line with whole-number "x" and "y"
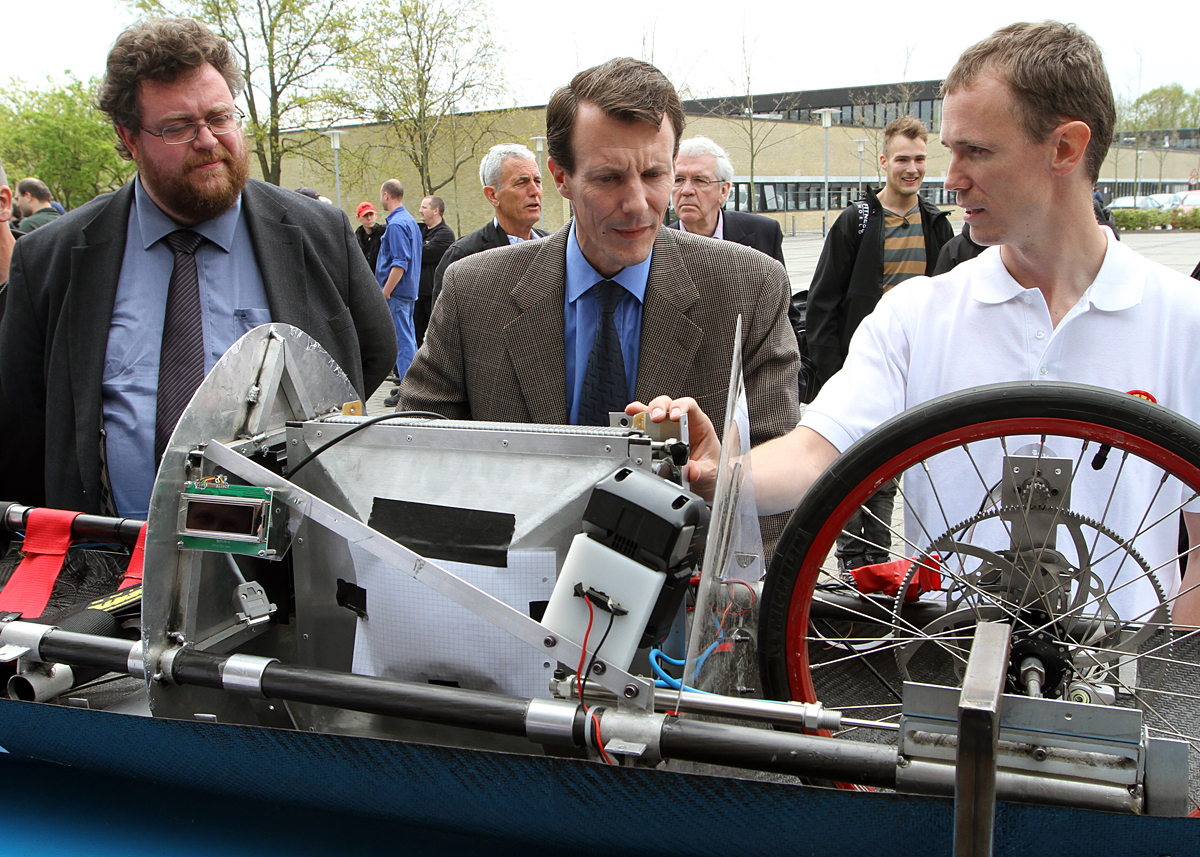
{"x": 1178, "y": 250}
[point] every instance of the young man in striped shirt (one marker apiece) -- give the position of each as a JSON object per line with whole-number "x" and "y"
{"x": 875, "y": 244}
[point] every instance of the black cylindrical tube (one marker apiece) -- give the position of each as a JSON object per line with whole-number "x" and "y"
{"x": 199, "y": 669}
{"x": 453, "y": 706}
{"x": 14, "y": 516}
{"x": 107, "y": 653}
{"x": 780, "y": 752}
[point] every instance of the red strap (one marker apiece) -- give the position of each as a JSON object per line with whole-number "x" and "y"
{"x": 886, "y": 577}
{"x": 47, "y": 537}
{"x": 133, "y": 573}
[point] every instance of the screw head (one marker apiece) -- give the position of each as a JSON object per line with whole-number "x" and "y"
{"x": 598, "y": 668}
{"x": 549, "y": 642}
{"x": 631, "y": 691}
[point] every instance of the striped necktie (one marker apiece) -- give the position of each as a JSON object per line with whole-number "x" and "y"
{"x": 181, "y": 361}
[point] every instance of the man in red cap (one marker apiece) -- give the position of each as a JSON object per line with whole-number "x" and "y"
{"x": 369, "y": 233}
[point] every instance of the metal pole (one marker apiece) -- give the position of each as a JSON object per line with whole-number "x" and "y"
{"x": 337, "y": 175}
{"x": 862, "y": 141}
{"x": 826, "y": 122}
{"x": 335, "y": 140}
{"x": 825, "y": 214}
{"x": 978, "y": 738}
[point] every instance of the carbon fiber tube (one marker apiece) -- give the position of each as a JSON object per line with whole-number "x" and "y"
{"x": 780, "y": 752}
{"x": 472, "y": 709}
{"x": 109, "y": 654}
{"x": 13, "y": 517}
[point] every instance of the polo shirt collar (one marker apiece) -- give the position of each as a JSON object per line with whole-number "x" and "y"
{"x": 581, "y": 276}
{"x": 1118, "y": 285}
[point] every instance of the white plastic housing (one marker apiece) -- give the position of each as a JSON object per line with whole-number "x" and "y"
{"x": 630, "y": 584}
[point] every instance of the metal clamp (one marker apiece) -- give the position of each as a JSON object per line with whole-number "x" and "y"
{"x": 26, "y": 635}
{"x": 551, "y": 721}
{"x": 243, "y": 674}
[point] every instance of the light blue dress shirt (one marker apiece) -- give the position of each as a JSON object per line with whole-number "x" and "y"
{"x": 581, "y": 316}
{"x": 232, "y": 302}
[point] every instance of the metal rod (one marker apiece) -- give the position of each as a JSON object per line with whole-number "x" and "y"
{"x": 809, "y": 716}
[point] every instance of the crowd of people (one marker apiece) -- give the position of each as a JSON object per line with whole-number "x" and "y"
{"x": 114, "y": 312}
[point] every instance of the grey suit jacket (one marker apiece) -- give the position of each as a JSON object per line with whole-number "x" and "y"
{"x": 62, "y": 288}
{"x": 494, "y": 349}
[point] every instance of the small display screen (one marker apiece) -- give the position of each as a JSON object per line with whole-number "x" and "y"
{"x": 240, "y": 519}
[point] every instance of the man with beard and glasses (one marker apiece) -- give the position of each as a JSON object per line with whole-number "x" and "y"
{"x": 117, "y": 310}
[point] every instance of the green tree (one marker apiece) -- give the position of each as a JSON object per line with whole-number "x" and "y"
{"x": 1166, "y": 107}
{"x": 57, "y": 135}
{"x": 293, "y": 53}
{"x": 424, "y": 63}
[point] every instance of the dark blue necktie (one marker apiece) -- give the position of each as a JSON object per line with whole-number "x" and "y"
{"x": 604, "y": 386}
{"x": 181, "y": 360}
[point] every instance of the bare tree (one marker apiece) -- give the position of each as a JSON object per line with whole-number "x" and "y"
{"x": 425, "y": 63}
{"x": 755, "y": 121}
{"x": 291, "y": 52}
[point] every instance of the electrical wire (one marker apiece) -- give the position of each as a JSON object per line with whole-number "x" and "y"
{"x": 599, "y": 742}
{"x": 364, "y": 424}
{"x": 583, "y": 679}
{"x": 579, "y": 675}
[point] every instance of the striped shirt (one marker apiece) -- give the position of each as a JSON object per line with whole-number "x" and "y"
{"x": 903, "y": 247}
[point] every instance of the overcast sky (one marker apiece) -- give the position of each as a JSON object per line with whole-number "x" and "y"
{"x": 795, "y": 45}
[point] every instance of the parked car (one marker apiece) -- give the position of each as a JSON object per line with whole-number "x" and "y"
{"x": 1168, "y": 200}
{"x": 1135, "y": 202}
{"x": 1189, "y": 200}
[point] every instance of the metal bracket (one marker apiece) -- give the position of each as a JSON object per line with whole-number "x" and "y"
{"x": 632, "y": 690}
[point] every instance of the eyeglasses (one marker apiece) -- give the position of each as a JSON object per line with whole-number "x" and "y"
{"x": 177, "y": 135}
{"x": 698, "y": 183}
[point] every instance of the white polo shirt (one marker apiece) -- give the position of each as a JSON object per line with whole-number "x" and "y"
{"x": 1136, "y": 328}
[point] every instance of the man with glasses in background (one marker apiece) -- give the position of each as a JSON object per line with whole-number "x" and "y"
{"x": 703, "y": 178}
{"x": 118, "y": 309}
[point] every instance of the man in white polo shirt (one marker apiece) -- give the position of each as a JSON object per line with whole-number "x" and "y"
{"x": 1027, "y": 117}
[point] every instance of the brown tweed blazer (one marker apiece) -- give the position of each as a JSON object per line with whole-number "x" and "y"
{"x": 494, "y": 349}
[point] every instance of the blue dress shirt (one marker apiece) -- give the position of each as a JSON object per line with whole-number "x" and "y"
{"x": 232, "y": 302}
{"x": 400, "y": 248}
{"x": 581, "y": 316}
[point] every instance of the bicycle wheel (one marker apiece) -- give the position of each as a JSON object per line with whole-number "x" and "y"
{"x": 1053, "y": 507}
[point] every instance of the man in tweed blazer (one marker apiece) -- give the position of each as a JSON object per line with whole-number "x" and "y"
{"x": 495, "y": 349}
{"x": 512, "y": 330}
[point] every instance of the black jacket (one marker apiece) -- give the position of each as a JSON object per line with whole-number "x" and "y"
{"x": 54, "y": 333}
{"x": 370, "y": 243}
{"x": 436, "y": 241}
{"x": 486, "y": 238}
{"x": 848, "y": 281}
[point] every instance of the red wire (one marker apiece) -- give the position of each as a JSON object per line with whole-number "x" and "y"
{"x": 583, "y": 654}
{"x": 600, "y": 743}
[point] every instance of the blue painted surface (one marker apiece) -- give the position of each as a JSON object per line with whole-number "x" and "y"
{"x": 448, "y": 801}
